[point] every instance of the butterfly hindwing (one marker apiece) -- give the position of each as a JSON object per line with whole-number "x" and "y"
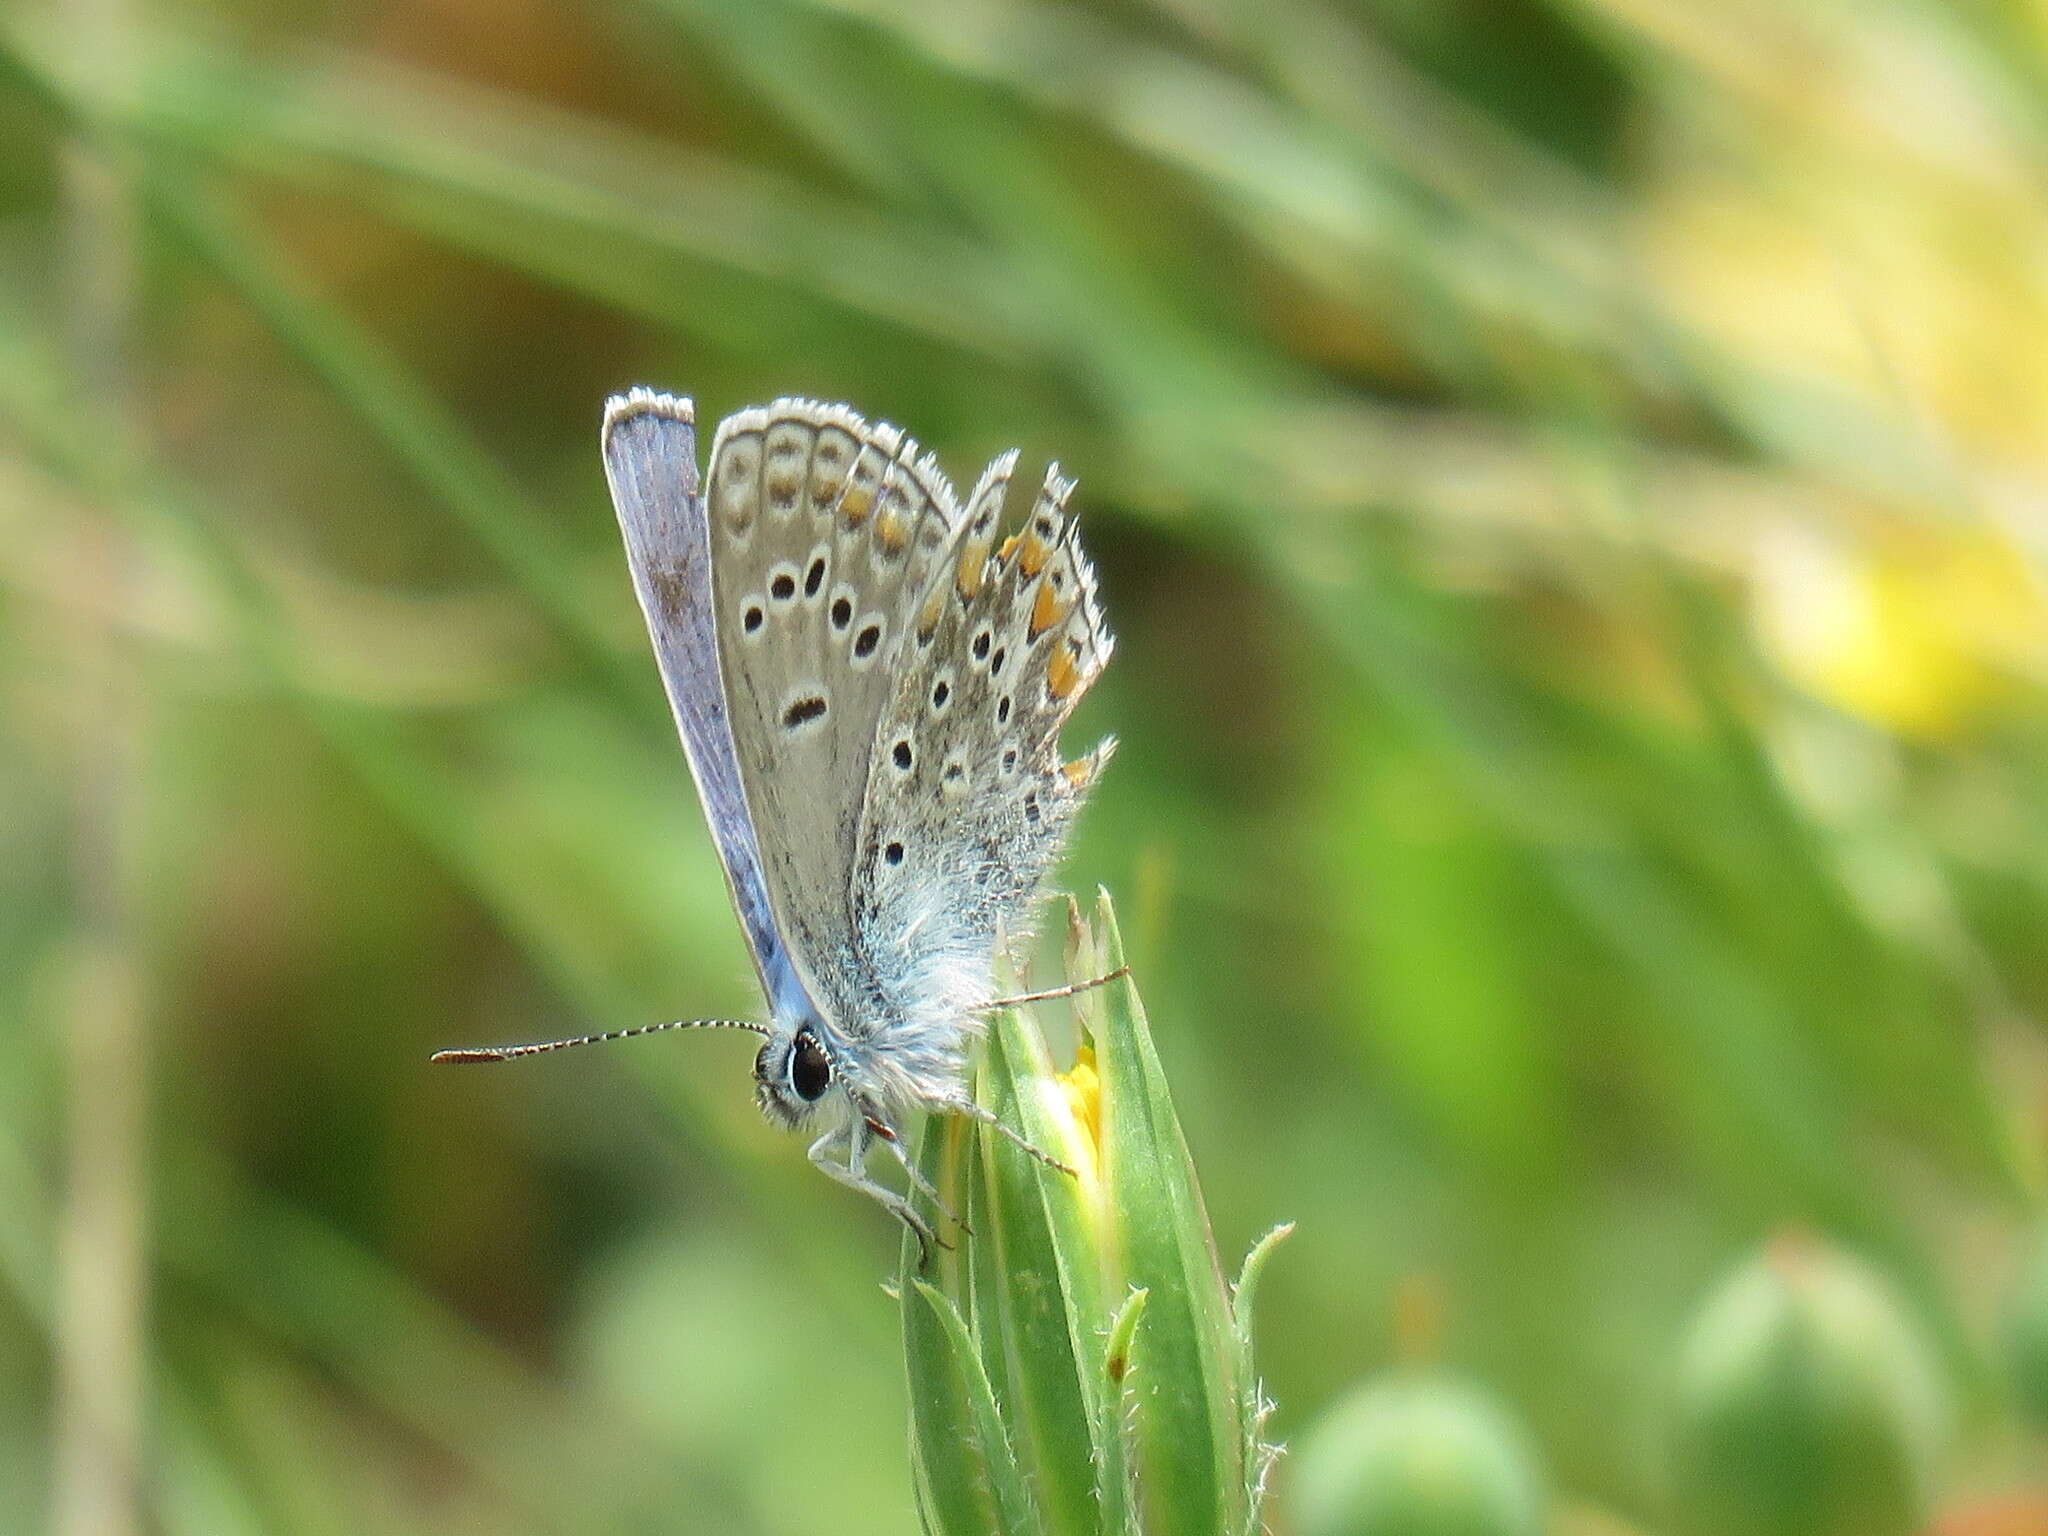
{"x": 968, "y": 800}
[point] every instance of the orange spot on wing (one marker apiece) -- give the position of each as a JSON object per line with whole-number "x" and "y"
{"x": 1045, "y": 610}
{"x": 973, "y": 560}
{"x": 855, "y": 505}
{"x": 891, "y": 532}
{"x": 1062, "y": 677}
{"x": 1031, "y": 557}
{"x": 1079, "y": 771}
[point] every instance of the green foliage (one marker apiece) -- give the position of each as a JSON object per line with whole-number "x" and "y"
{"x": 1566, "y": 476}
{"x": 1127, "y": 1401}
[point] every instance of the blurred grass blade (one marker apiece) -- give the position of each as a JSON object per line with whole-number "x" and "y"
{"x": 416, "y": 428}
{"x": 574, "y": 199}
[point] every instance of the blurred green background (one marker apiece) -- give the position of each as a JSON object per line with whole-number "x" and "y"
{"x": 1570, "y": 479}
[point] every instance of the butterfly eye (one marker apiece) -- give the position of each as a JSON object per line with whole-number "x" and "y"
{"x": 810, "y": 1072}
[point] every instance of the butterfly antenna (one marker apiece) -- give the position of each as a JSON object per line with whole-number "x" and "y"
{"x": 541, "y": 1047}
{"x": 1057, "y": 992}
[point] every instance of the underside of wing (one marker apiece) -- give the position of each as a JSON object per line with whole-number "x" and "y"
{"x": 824, "y": 529}
{"x": 650, "y": 461}
{"x": 969, "y": 801}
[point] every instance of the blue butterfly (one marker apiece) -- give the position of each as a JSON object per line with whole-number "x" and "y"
{"x": 870, "y": 692}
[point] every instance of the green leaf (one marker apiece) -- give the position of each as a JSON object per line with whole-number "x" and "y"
{"x": 954, "y": 1487}
{"x": 1119, "y": 1496}
{"x": 975, "y": 1485}
{"x": 1245, "y": 1292}
{"x": 1252, "y": 1402}
{"x": 1191, "y": 1468}
{"x": 1042, "y": 1303}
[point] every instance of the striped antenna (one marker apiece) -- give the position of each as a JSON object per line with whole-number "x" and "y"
{"x": 541, "y": 1047}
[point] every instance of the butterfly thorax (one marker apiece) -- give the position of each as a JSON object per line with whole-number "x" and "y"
{"x": 900, "y": 1067}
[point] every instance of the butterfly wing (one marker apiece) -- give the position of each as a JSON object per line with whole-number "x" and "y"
{"x": 650, "y": 462}
{"x": 968, "y": 801}
{"x": 822, "y": 529}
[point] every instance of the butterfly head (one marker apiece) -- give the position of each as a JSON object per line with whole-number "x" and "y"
{"x": 792, "y": 1074}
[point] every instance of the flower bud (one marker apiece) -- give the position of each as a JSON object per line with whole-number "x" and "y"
{"x": 1420, "y": 1453}
{"x": 2026, "y": 1332}
{"x": 1078, "y": 1364}
{"x": 1808, "y": 1404}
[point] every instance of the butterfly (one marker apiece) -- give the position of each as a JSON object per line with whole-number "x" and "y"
{"x": 869, "y": 689}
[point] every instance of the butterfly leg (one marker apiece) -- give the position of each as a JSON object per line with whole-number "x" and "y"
{"x": 849, "y": 1169}
{"x": 989, "y": 1118}
{"x": 917, "y": 1179}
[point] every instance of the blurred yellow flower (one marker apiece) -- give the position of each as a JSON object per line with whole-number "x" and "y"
{"x": 1929, "y": 632}
{"x": 1859, "y": 226}
{"x": 1857, "y": 215}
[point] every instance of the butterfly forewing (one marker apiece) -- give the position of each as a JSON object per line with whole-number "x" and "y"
{"x": 823, "y": 529}
{"x": 650, "y": 460}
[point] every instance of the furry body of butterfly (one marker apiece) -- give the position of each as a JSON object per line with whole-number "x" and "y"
{"x": 870, "y": 692}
